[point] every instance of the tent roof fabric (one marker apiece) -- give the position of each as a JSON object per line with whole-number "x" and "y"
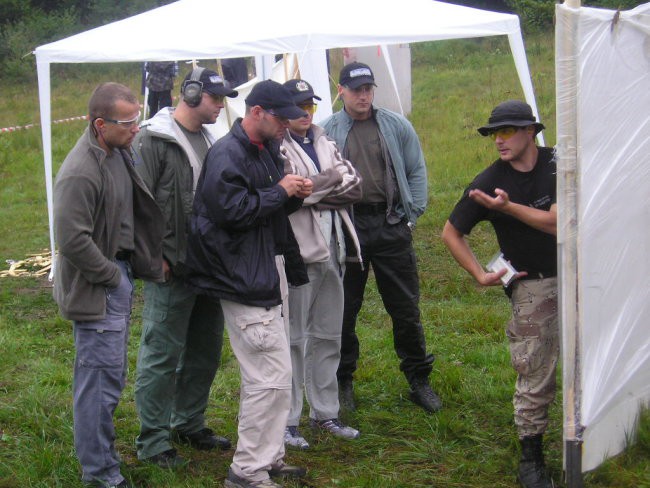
{"x": 193, "y": 29}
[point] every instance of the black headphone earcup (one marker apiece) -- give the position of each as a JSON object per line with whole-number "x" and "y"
{"x": 192, "y": 91}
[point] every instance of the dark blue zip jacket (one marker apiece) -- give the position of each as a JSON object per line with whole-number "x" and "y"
{"x": 239, "y": 224}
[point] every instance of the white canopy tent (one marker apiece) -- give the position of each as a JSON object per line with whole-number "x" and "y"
{"x": 603, "y": 138}
{"x": 194, "y": 29}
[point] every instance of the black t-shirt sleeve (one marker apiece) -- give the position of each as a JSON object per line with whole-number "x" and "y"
{"x": 467, "y": 213}
{"x": 528, "y": 249}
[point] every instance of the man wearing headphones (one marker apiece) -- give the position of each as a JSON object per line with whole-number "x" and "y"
{"x": 182, "y": 332}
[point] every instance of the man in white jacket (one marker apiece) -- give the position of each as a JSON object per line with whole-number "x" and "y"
{"x": 326, "y": 236}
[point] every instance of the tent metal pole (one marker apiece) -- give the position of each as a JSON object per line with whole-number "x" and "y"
{"x": 516, "y": 41}
{"x": 225, "y": 99}
{"x": 568, "y": 195}
{"x": 45, "y": 96}
{"x": 573, "y": 455}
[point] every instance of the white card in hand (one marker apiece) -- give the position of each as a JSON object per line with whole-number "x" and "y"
{"x": 497, "y": 263}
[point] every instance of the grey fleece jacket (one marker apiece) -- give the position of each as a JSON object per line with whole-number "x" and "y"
{"x": 87, "y": 224}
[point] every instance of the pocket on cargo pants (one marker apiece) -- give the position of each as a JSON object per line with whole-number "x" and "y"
{"x": 533, "y": 329}
{"x": 259, "y": 341}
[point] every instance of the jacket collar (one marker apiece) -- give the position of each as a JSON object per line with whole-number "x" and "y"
{"x": 99, "y": 152}
{"x": 240, "y": 134}
{"x": 93, "y": 145}
{"x": 350, "y": 120}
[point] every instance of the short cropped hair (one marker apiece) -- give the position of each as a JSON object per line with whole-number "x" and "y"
{"x": 102, "y": 101}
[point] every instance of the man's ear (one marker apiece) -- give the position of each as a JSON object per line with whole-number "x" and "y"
{"x": 257, "y": 111}
{"x": 99, "y": 123}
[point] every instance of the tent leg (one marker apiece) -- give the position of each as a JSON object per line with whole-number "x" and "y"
{"x": 573, "y": 453}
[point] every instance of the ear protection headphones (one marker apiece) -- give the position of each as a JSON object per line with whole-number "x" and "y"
{"x": 193, "y": 88}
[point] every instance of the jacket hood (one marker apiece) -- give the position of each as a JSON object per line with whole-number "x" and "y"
{"x": 163, "y": 124}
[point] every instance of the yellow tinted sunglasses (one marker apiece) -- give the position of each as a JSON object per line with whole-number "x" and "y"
{"x": 504, "y": 133}
{"x": 310, "y": 108}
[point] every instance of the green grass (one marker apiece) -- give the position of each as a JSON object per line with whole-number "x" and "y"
{"x": 470, "y": 443}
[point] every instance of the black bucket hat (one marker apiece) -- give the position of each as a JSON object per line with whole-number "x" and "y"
{"x": 512, "y": 113}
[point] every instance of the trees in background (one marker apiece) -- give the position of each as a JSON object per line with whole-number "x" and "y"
{"x": 27, "y": 24}
{"x": 538, "y": 14}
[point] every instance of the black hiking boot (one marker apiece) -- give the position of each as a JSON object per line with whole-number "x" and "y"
{"x": 532, "y": 470}
{"x": 421, "y": 394}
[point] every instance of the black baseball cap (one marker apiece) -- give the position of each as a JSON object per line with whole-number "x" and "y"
{"x": 271, "y": 95}
{"x": 353, "y": 75}
{"x": 512, "y": 113}
{"x": 301, "y": 91}
{"x": 213, "y": 83}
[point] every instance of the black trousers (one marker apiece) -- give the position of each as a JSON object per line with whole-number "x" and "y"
{"x": 157, "y": 100}
{"x": 389, "y": 250}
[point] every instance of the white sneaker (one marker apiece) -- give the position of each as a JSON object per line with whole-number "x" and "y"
{"x": 335, "y": 427}
{"x": 293, "y": 438}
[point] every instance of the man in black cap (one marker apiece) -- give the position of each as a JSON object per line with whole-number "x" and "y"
{"x": 239, "y": 239}
{"x": 516, "y": 194}
{"x": 182, "y": 332}
{"x": 385, "y": 150}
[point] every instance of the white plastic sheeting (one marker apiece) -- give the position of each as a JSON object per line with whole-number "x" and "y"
{"x": 603, "y": 115}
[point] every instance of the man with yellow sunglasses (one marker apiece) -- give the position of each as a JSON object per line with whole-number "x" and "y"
{"x": 517, "y": 195}
{"x": 325, "y": 233}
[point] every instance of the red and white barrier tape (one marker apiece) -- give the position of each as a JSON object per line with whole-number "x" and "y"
{"x": 31, "y": 126}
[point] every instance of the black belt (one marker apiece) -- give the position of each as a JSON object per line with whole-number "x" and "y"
{"x": 123, "y": 255}
{"x": 370, "y": 208}
{"x": 538, "y": 276}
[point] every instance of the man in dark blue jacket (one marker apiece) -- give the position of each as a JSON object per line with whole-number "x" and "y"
{"x": 239, "y": 239}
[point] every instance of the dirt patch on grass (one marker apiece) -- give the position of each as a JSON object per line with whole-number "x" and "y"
{"x": 34, "y": 285}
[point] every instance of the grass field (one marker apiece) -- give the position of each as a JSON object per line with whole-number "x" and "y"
{"x": 470, "y": 443}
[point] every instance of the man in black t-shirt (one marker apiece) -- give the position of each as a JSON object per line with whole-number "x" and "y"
{"x": 516, "y": 194}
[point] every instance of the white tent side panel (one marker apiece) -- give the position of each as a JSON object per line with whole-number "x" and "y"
{"x": 609, "y": 64}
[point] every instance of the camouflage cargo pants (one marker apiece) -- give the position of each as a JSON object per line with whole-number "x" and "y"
{"x": 534, "y": 349}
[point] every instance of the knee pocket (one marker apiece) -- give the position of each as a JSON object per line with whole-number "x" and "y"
{"x": 528, "y": 353}
{"x": 100, "y": 350}
{"x": 261, "y": 333}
